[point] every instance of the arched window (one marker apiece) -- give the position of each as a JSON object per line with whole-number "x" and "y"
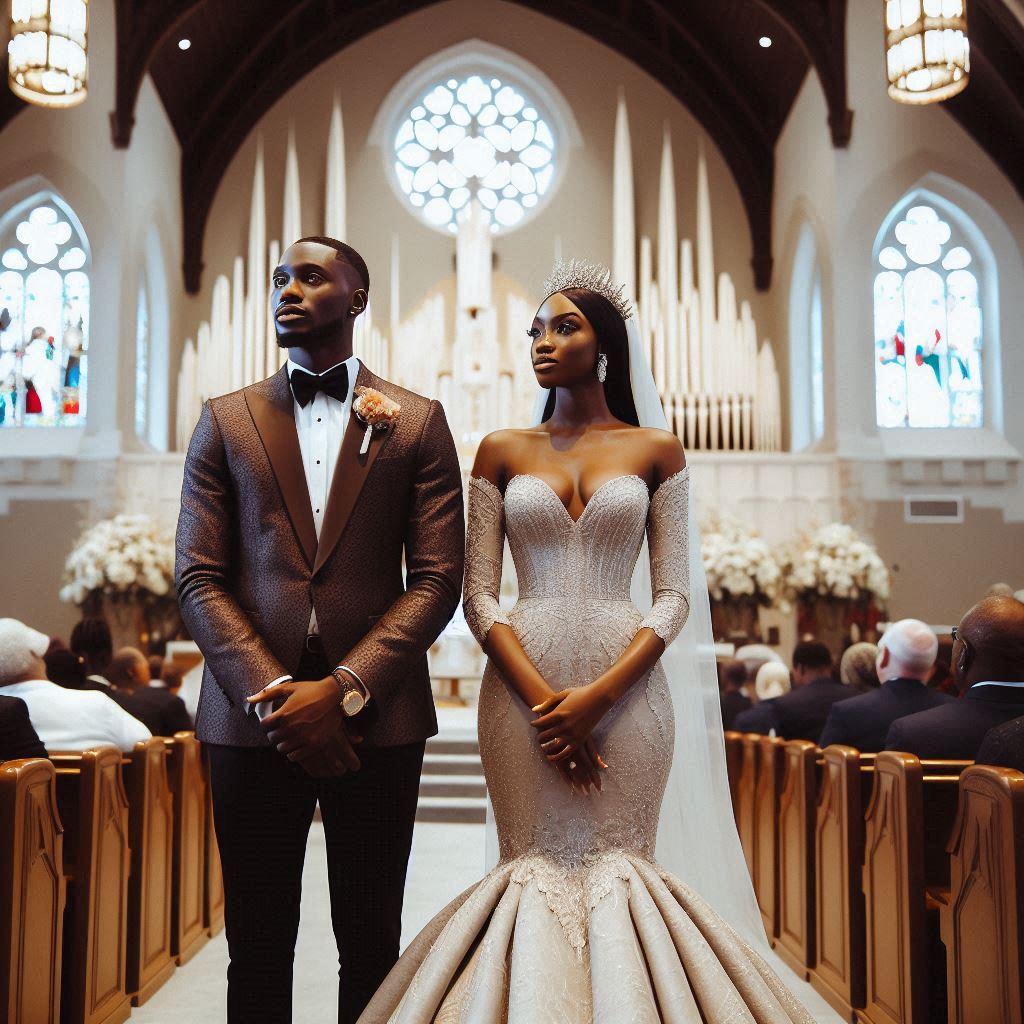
{"x": 142, "y": 363}
{"x": 44, "y": 285}
{"x": 806, "y": 343}
{"x": 928, "y": 323}
{"x": 474, "y": 137}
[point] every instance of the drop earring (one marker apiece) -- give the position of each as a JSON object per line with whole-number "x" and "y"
{"x": 602, "y": 367}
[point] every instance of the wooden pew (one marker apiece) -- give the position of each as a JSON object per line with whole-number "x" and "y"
{"x": 213, "y": 891}
{"x": 839, "y": 966}
{"x": 983, "y": 919}
{"x": 188, "y": 787}
{"x": 907, "y": 822}
{"x": 734, "y": 766}
{"x": 747, "y": 795}
{"x": 150, "y": 888}
{"x": 94, "y": 810}
{"x": 797, "y": 804}
{"x": 32, "y": 893}
{"x": 766, "y": 833}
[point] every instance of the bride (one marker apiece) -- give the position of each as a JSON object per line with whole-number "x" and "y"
{"x": 578, "y": 737}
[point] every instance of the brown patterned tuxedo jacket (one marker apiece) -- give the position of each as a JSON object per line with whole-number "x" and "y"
{"x": 249, "y": 568}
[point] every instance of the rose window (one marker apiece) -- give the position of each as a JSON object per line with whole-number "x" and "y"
{"x": 478, "y": 138}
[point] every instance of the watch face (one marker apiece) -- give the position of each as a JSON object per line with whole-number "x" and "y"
{"x": 352, "y": 703}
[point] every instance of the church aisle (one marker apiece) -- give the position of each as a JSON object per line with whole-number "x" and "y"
{"x": 446, "y": 858}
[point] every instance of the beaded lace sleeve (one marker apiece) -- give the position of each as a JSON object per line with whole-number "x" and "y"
{"x": 485, "y": 545}
{"x": 668, "y": 532}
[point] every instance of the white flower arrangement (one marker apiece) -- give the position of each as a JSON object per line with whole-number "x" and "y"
{"x": 128, "y": 556}
{"x": 835, "y": 562}
{"x": 739, "y": 564}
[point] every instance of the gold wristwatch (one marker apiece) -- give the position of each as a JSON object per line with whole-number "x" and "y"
{"x": 353, "y": 699}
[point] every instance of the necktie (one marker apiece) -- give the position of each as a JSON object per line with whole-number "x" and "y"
{"x": 333, "y": 382}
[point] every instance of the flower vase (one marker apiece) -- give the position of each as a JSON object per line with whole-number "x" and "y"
{"x": 127, "y": 621}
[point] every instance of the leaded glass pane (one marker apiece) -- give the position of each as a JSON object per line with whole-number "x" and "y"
{"x": 474, "y": 138}
{"x": 45, "y": 288}
{"x": 928, "y": 336}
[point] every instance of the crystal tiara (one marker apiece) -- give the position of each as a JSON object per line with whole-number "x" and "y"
{"x": 592, "y": 276}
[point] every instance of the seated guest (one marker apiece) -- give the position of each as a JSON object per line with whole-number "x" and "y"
{"x": 156, "y": 668}
{"x": 67, "y": 669}
{"x": 754, "y": 656}
{"x": 801, "y": 713}
{"x": 857, "y": 667}
{"x": 156, "y": 707}
{"x": 171, "y": 677}
{"x": 63, "y": 719}
{"x": 1003, "y": 745}
{"x": 988, "y": 659}
{"x": 733, "y": 677}
{"x": 91, "y": 639}
{"x": 772, "y": 680}
{"x": 17, "y": 737}
{"x": 942, "y": 678}
{"x": 906, "y": 654}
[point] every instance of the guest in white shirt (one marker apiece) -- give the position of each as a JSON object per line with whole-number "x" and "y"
{"x": 64, "y": 719}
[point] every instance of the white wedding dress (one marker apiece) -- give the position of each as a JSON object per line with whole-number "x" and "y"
{"x": 578, "y": 923}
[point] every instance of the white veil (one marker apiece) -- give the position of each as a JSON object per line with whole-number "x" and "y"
{"x": 697, "y": 837}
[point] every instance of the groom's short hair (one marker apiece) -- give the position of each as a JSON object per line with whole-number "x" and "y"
{"x": 346, "y": 253}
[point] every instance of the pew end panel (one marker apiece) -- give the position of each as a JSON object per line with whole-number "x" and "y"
{"x": 839, "y": 967}
{"x": 94, "y": 808}
{"x": 766, "y": 833}
{"x": 213, "y": 903}
{"x": 188, "y": 787}
{"x": 982, "y": 920}
{"x": 747, "y": 796}
{"x": 150, "y": 889}
{"x": 32, "y": 893}
{"x": 797, "y": 804}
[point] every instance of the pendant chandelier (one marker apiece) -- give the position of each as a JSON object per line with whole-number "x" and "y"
{"x": 927, "y": 53}
{"x": 47, "y": 53}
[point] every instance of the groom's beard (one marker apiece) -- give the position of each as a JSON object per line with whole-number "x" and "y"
{"x": 313, "y": 339}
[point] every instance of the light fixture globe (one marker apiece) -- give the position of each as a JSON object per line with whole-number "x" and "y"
{"x": 927, "y": 53}
{"x": 47, "y": 53}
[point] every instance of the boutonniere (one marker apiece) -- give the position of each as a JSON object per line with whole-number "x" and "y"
{"x": 376, "y": 412}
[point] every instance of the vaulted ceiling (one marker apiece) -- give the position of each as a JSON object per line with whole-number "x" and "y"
{"x": 244, "y": 56}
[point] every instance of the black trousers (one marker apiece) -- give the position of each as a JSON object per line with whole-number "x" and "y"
{"x": 262, "y": 806}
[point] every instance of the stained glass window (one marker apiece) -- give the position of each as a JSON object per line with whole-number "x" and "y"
{"x": 44, "y": 287}
{"x": 928, "y": 330}
{"x": 141, "y": 363}
{"x": 475, "y": 137}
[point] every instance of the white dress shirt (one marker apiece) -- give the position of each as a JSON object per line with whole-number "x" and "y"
{"x": 321, "y": 429}
{"x": 76, "y": 719}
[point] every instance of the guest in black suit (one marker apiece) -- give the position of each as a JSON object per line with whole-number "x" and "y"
{"x": 988, "y": 659}
{"x": 17, "y": 737}
{"x": 857, "y": 667}
{"x": 801, "y": 713}
{"x": 906, "y": 656}
{"x": 733, "y": 678}
{"x": 1003, "y": 746}
{"x": 157, "y": 708}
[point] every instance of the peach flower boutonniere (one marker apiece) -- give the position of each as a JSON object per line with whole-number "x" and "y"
{"x": 376, "y": 412}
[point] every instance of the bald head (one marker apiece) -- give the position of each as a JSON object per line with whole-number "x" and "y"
{"x": 990, "y": 643}
{"x": 128, "y": 669}
{"x": 907, "y": 651}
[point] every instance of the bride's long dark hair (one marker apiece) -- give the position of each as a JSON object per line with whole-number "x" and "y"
{"x": 610, "y": 330}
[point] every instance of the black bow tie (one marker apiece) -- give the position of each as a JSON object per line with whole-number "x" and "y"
{"x": 333, "y": 382}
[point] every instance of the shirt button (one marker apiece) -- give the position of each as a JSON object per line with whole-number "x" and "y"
{"x": 318, "y": 511}
{"x": 318, "y": 462}
{"x": 319, "y": 419}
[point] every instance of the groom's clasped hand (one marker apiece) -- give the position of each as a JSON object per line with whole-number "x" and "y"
{"x": 309, "y": 727}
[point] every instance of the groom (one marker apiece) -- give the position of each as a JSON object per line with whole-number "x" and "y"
{"x": 295, "y": 515}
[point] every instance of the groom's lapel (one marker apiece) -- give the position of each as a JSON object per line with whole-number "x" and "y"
{"x": 273, "y": 413}
{"x": 350, "y": 473}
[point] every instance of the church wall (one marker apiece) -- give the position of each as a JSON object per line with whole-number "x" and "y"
{"x": 844, "y": 194}
{"x": 128, "y": 202}
{"x": 579, "y": 213}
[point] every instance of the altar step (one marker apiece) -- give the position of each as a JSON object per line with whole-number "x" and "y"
{"x": 452, "y": 785}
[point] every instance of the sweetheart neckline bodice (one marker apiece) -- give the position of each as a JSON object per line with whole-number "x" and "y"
{"x": 593, "y": 497}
